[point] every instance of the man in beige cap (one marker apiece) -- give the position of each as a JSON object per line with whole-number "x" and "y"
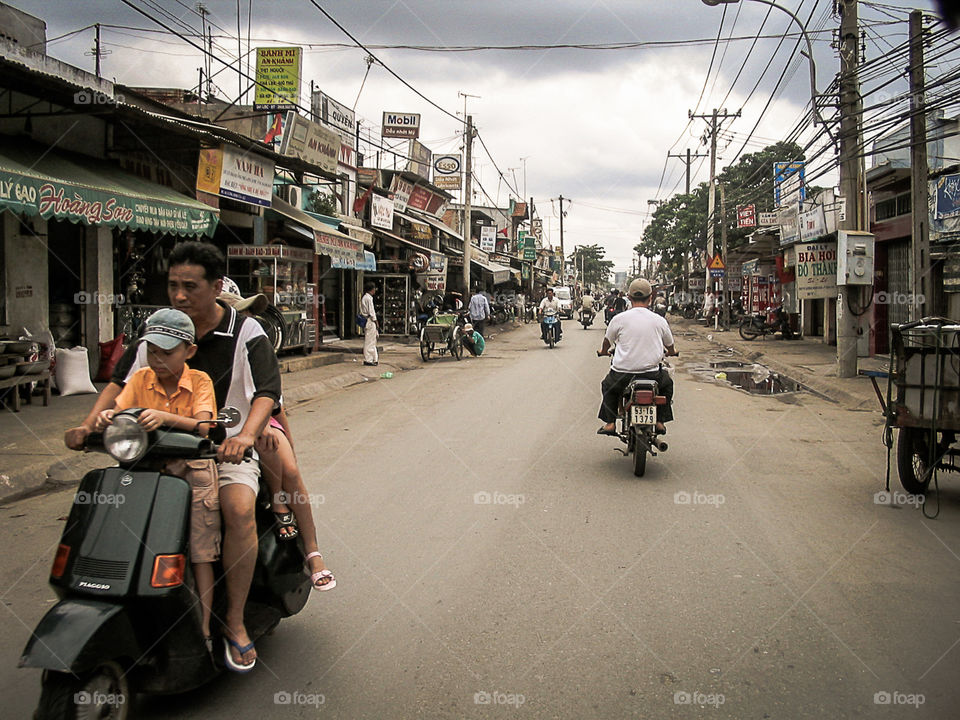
{"x": 642, "y": 338}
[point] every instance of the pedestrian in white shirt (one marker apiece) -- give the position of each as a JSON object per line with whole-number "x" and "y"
{"x": 370, "y": 332}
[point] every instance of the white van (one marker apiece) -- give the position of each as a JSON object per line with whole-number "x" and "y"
{"x": 565, "y": 297}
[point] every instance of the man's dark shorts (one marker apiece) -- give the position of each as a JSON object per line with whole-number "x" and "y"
{"x": 615, "y": 383}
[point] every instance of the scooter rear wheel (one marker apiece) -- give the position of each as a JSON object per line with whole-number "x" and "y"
{"x": 104, "y": 690}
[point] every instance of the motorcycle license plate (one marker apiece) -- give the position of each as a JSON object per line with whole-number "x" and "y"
{"x": 643, "y": 415}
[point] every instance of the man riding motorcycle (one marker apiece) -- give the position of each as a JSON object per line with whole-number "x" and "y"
{"x": 549, "y": 302}
{"x": 586, "y": 305}
{"x": 614, "y": 305}
{"x": 642, "y": 338}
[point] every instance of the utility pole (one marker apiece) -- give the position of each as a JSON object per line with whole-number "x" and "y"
{"x": 562, "y": 256}
{"x": 851, "y": 110}
{"x": 687, "y": 161}
{"x": 96, "y": 49}
{"x": 919, "y": 171}
{"x": 714, "y": 117}
{"x": 468, "y": 176}
{"x": 723, "y": 249}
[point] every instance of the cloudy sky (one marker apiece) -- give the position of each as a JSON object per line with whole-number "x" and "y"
{"x": 594, "y": 124}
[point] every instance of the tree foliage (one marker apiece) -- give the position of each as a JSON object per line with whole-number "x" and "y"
{"x": 679, "y": 225}
{"x": 596, "y": 270}
{"x": 323, "y": 203}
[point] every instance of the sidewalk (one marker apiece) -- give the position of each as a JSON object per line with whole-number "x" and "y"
{"x": 34, "y": 459}
{"x": 808, "y": 361}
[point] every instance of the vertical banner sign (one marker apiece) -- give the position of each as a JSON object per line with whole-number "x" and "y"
{"x": 339, "y": 118}
{"x": 488, "y": 238}
{"x": 401, "y": 190}
{"x": 746, "y": 216}
{"x": 788, "y": 183}
{"x": 278, "y": 78}
{"x": 381, "y": 212}
{"x": 400, "y": 125}
{"x": 948, "y": 196}
{"x": 419, "y": 162}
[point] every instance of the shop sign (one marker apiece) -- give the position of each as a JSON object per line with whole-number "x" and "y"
{"x": 400, "y": 125}
{"x": 488, "y": 238}
{"x": 734, "y": 282}
{"x": 746, "y": 216}
{"x": 455, "y": 261}
{"x": 344, "y": 250}
{"x": 446, "y": 171}
{"x": 419, "y": 198}
{"x": 948, "y": 196}
{"x": 278, "y": 78}
{"x": 339, "y": 118}
{"x": 435, "y": 277}
{"x": 401, "y": 190}
{"x": 438, "y": 204}
{"x": 537, "y": 228}
{"x": 816, "y": 270}
{"x": 750, "y": 268}
{"x": 789, "y": 224}
{"x": 525, "y": 271}
{"x": 813, "y": 224}
{"x": 369, "y": 176}
{"x": 283, "y": 252}
{"x": 697, "y": 283}
{"x": 231, "y": 173}
{"x": 788, "y": 187}
{"x": 419, "y": 231}
{"x": 76, "y": 203}
{"x": 501, "y": 258}
{"x": 310, "y": 142}
{"x": 768, "y": 219}
{"x": 419, "y": 159}
{"x": 381, "y": 212}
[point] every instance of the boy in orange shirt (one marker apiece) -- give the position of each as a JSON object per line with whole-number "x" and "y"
{"x": 177, "y": 397}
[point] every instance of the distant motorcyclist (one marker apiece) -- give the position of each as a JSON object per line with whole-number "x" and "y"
{"x": 613, "y": 305}
{"x": 642, "y": 338}
{"x": 549, "y": 303}
{"x": 586, "y": 304}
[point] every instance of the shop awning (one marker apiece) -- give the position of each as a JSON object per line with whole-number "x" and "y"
{"x": 442, "y": 227}
{"x": 403, "y": 241}
{"x": 36, "y": 180}
{"x": 500, "y": 273}
{"x": 347, "y": 252}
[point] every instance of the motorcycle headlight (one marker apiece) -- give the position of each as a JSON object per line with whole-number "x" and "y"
{"x": 125, "y": 439}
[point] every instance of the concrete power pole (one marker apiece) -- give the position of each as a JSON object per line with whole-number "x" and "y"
{"x": 851, "y": 110}
{"x": 562, "y": 257}
{"x": 919, "y": 172}
{"x": 713, "y": 118}
{"x": 687, "y": 160}
{"x": 723, "y": 249}
{"x": 468, "y": 175}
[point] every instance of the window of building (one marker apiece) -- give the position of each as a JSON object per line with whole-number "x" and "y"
{"x": 893, "y": 207}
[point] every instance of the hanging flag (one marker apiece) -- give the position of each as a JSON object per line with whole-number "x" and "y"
{"x": 504, "y": 232}
{"x": 361, "y": 202}
{"x": 275, "y": 129}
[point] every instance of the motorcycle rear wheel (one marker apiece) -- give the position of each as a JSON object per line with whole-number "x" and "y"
{"x": 62, "y": 695}
{"x": 639, "y": 456}
{"x": 748, "y": 331}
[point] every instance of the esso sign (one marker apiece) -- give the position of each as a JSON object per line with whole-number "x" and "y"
{"x": 447, "y": 164}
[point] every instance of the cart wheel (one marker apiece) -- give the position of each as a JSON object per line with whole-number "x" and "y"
{"x": 456, "y": 343}
{"x": 425, "y": 346}
{"x": 913, "y": 456}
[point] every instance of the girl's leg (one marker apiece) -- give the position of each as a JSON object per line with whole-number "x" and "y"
{"x": 203, "y": 575}
{"x": 299, "y": 500}
{"x": 272, "y": 466}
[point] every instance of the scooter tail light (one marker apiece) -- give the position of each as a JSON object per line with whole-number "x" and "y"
{"x": 60, "y": 561}
{"x": 643, "y": 397}
{"x": 168, "y": 571}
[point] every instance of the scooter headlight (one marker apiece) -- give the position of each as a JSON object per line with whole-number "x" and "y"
{"x": 125, "y": 439}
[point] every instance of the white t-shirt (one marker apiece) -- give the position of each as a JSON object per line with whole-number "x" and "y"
{"x": 548, "y": 304}
{"x": 640, "y": 336}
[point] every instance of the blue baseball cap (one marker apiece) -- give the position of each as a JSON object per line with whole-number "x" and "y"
{"x": 168, "y": 328}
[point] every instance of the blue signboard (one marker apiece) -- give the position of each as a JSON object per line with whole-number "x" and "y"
{"x": 788, "y": 178}
{"x": 948, "y": 196}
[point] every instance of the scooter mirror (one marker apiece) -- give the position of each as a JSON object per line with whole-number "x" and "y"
{"x": 229, "y": 417}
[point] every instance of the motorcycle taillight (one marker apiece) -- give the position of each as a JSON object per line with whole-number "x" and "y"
{"x": 643, "y": 397}
{"x": 60, "y": 561}
{"x": 168, "y": 571}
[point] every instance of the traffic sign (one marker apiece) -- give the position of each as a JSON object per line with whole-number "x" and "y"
{"x": 717, "y": 263}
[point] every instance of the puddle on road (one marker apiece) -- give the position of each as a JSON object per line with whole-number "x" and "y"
{"x": 751, "y": 377}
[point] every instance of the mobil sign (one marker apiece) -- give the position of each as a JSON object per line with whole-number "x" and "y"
{"x": 401, "y": 125}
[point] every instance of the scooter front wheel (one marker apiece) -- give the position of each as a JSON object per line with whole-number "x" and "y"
{"x": 102, "y": 693}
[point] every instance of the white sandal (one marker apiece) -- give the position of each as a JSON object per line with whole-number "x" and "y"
{"x": 318, "y": 576}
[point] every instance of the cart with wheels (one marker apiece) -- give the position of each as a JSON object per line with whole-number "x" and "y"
{"x": 923, "y": 401}
{"x": 441, "y": 334}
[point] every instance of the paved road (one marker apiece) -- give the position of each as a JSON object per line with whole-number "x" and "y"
{"x": 780, "y": 590}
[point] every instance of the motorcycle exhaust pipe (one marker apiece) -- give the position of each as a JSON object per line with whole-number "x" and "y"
{"x": 661, "y": 445}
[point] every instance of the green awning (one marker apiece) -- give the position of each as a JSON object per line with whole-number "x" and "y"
{"x": 37, "y": 180}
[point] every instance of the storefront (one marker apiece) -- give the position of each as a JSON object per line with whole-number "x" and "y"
{"x": 69, "y": 216}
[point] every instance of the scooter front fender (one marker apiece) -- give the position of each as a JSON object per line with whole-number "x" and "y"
{"x": 78, "y": 634}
